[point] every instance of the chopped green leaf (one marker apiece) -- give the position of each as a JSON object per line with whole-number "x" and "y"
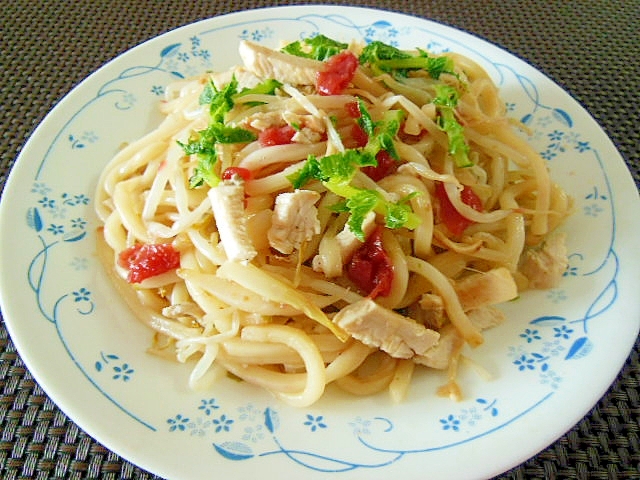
{"x": 400, "y": 215}
{"x": 446, "y": 101}
{"x": 359, "y": 205}
{"x": 309, "y": 171}
{"x": 337, "y": 168}
{"x": 381, "y": 134}
{"x": 220, "y": 133}
{"x": 377, "y": 51}
{"x": 341, "y": 167}
{"x": 203, "y": 143}
{"x": 203, "y": 173}
{"x": 319, "y": 47}
{"x": 220, "y": 101}
{"x": 208, "y": 93}
{"x": 381, "y": 57}
{"x": 336, "y": 172}
{"x": 268, "y": 87}
{"x": 365, "y": 120}
{"x": 446, "y": 96}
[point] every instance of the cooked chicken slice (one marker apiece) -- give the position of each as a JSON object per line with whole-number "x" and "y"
{"x": 429, "y": 310}
{"x": 440, "y": 354}
{"x": 376, "y": 326}
{"x": 343, "y": 244}
{"x": 486, "y": 317}
{"x": 294, "y": 221}
{"x": 348, "y": 241}
{"x": 545, "y": 266}
{"x": 268, "y": 63}
{"x": 488, "y": 288}
{"x": 244, "y": 77}
{"x": 227, "y": 202}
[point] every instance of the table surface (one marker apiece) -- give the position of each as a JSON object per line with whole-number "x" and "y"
{"x": 589, "y": 47}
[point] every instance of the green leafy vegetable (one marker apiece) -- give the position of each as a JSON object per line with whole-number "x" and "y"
{"x": 384, "y": 132}
{"x": 338, "y": 168}
{"x": 365, "y": 121}
{"x": 268, "y": 87}
{"x": 381, "y": 57}
{"x": 446, "y": 101}
{"x": 358, "y": 206}
{"x": 336, "y": 172}
{"x": 220, "y": 101}
{"x": 319, "y": 47}
{"x": 203, "y": 143}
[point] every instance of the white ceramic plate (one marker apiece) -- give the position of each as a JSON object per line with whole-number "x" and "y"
{"x": 552, "y": 361}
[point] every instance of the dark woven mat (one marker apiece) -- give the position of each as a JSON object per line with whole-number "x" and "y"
{"x": 47, "y": 47}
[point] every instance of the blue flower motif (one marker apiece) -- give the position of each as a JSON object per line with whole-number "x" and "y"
{"x": 199, "y": 427}
{"x": 470, "y": 415}
{"x": 553, "y": 348}
{"x": 530, "y": 335}
{"x": 556, "y": 295}
{"x": 548, "y": 154}
{"x": 315, "y": 422}
{"x": 205, "y": 55}
{"x": 79, "y": 223}
{"x": 79, "y": 263}
{"x": 253, "y": 434}
{"x": 593, "y": 210}
{"x": 81, "y": 199}
{"x": 47, "y": 202}
{"x": 41, "y": 189}
{"x": 178, "y": 423}
{"x": 56, "y": 229}
{"x": 562, "y": 332}
{"x": 90, "y": 136}
{"x": 582, "y": 146}
{"x": 82, "y": 295}
{"x": 510, "y": 106}
{"x": 570, "y": 272}
{"x": 223, "y": 423}
{"x": 450, "y": 423}
{"x": 124, "y": 372}
{"x": 208, "y": 406}
{"x": 556, "y": 135}
{"x": 157, "y": 90}
{"x": 525, "y": 363}
{"x": 183, "y": 57}
{"x": 129, "y": 98}
{"x": 248, "y": 412}
{"x": 550, "y": 378}
{"x": 361, "y": 426}
{"x": 59, "y": 212}
{"x": 195, "y": 41}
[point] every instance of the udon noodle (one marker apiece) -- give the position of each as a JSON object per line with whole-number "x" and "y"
{"x": 343, "y": 218}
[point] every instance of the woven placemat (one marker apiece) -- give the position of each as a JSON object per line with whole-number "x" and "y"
{"x": 590, "y": 48}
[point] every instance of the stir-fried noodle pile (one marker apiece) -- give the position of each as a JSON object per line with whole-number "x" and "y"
{"x": 329, "y": 213}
